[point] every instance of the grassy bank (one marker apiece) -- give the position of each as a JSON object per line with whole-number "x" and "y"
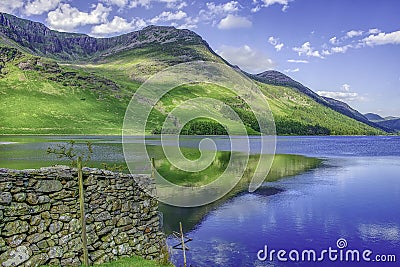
{"x": 133, "y": 262}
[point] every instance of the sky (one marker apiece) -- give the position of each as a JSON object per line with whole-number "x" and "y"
{"x": 345, "y": 49}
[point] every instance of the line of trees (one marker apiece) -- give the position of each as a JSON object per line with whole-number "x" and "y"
{"x": 196, "y": 127}
{"x": 291, "y": 127}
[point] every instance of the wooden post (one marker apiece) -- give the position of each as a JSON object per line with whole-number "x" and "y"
{"x": 183, "y": 245}
{"x": 82, "y": 210}
{"x": 153, "y": 168}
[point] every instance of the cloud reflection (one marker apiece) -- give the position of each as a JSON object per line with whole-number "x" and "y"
{"x": 381, "y": 232}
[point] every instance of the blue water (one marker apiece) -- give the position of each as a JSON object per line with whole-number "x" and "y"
{"x": 354, "y": 195}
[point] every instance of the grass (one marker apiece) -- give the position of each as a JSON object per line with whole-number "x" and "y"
{"x": 92, "y": 98}
{"x": 288, "y": 106}
{"x": 39, "y": 102}
{"x": 134, "y": 261}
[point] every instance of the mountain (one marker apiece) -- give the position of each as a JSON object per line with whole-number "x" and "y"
{"x": 390, "y": 122}
{"x": 373, "y": 117}
{"x": 391, "y": 118}
{"x": 278, "y": 78}
{"x": 36, "y": 38}
{"x": 53, "y": 82}
{"x": 393, "y": 124}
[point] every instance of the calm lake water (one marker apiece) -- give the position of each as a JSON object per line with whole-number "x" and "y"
{"x": 353, "y": 194}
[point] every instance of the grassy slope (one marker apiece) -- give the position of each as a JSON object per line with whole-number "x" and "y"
{"x": 287, "y": 105}
{"x": 292, "y": 107}
{"x": 37, "y": 101}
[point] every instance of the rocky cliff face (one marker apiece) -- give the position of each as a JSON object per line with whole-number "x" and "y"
{"x": 42, "y": 41}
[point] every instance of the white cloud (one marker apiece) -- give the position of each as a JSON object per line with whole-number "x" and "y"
{"x": 168, "y": 16}
{"x": 234, "y": 22}
{"x": 267, "y": 3}
{"x": 117, "y": 25}
{"x": 326, "y": 52}
{"x": 353, "y": 33}
{"x": 272, "y": 2}
{"x": 340, "y": 49}
{"x": 119, "y": 3}
{"x": 227, "y": 8}
{"x": 334, "y": 40}
{"x": 246, "y": 58}
{"x": 344, "y": 94}
{"x": 374, "y": 31}
{"x": 67, "y": 18}
{"x": 255, "y": 9}
{"x": 214, "y": 12}
{"x": 292, "y": 70}
{"x": 383, "y": 38}
{"x": 38, "y": 7}
{"x": 279, "y": 47}
{"x": 272, "y": 40}
{"x": 9, "y": 6}
{"x": 189, "y": 23}
{"x": 345, "y": 87}
{"x": 336, "y": 49}
{"x": 137, "y": 3}
{"x": 297, "y": 61}
{"x": 178, "y": 6}
{"x": 307, "y": 50}
{"x": 174, "y": 4}
{"x": 275, "y": 42}
{"x": 185, "y": 26}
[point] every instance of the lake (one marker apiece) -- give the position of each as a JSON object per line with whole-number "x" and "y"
{"x": 352, "y": 193}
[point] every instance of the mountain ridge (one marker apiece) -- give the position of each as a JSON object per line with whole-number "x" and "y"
{"x": 42, "y": 41}
{"x": 393, "y": 124}
{"x": 373, "y": 117}
{"x": 278, "y": 78}
{"x": 389, "y": 122}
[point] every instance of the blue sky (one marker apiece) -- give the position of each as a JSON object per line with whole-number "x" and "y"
{"x": 346, "y": 49}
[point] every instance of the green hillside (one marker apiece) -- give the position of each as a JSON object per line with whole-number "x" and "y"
{"x": 39, "y": 96}
{"x": 86, "y": 89}
{"x": 296, "y": 113}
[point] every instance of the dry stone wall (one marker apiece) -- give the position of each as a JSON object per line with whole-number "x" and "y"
{"x": 40, "y": 218}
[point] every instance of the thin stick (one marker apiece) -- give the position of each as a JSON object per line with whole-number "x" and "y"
{"x": 183, "y": 245}
{"x": 82, "y": 210}
{"x": 153, "y": 168}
